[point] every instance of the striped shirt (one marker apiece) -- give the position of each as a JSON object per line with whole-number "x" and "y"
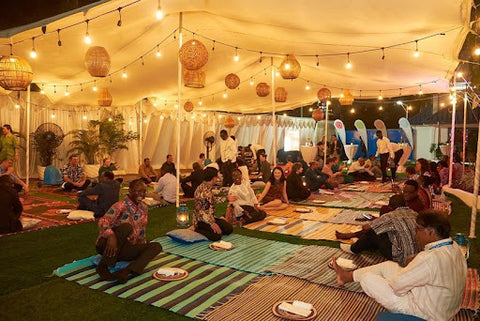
{"x": 401, "y": 228}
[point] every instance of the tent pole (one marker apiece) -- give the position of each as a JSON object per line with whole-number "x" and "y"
{"x": 27, "y": 136}
{"x": 179, "y": 113}
{"x": 473, "y": 218}
{"x": 325, "y": 134}
{"x": 274, "y": 118}
{"x": 140, "y": 143}
{"x": 464, "y": 129}
{"x": 452, "y": 133}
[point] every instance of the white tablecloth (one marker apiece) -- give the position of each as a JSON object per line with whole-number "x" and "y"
{"x": 308, "y": 153}
{"x": 350, "y": 151}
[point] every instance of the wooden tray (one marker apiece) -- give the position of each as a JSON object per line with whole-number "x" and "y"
{"x": 291, "y": 316}
{"x": 175, "y": 277}
{"x": 216, "y": 248}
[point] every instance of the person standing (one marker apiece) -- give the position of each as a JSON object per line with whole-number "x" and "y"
{"x": 74, "y": 176}
{"x": 397, "y": 154}
{"x": 228, "y": 155}
{"x": 385, "y": 151}
{"x": 204, "y": 220}
{"x": 8, "y": 144}
{"x": 257, "y": 149}
{"x": 122, "y": 236}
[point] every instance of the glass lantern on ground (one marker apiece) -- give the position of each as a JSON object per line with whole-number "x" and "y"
{"x": 183, "y": 218}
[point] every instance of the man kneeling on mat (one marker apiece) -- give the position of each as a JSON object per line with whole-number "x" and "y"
{"x": 122, "y": 236}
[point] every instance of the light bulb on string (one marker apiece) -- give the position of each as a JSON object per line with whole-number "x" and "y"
{"x": 124, "y": 73}
{"x": 318, "y": 61}
{"x": 310, "y": 109}
{"x": 59, "y": 41}
{"x": 54, "y": 89}
{"x": 383, "y": 53}
{"x": 459, "y": 74}
{"x": 67, "y": 93}
{"x": 119, "y": 22}
{"x": 277, "y": 74}
{"x": 477, "y": 51}
{"x": 252, "y": 82}
{"x": 84, "y": 117}
{"x": 159, "y": 53}
{"x": 307, "y": 86}
{"x": 42, "y": 91}
{"x": 225, "y": 95}
{"x": 87, "y": 38}
{"x": 341, "y": 95}
{"x": 380, "y": 97}
{"x": 236, "y": 57}
{"x": 159, "y": 12}
{"x": 348, "y": 65}
{"x": 380, "y": 108}
{"x": 352, "y": 111}
{"x": 416, "y": 53}
{"x": 52, "y": 116}
{"x": 33, "y": 53}
{"x": 200, "y": 102}
{"x": 17, "y": 106}
{"x": 94, "y": 86}
{"x": 420, "y": 91}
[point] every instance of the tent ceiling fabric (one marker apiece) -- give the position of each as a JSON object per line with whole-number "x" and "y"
{"x": 304, "y": 27}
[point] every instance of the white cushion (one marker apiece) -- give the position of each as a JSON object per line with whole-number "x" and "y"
{"x": 78, "y": 215}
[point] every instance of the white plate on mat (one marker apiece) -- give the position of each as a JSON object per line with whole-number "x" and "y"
{"x": 345, "y": 264}
{"x": 63, "y": 211}
{"x": 319, "y": 201}
{"x": 292, "y": 316}
{"x": 180, "y": 274}
{"x": 303, "y": 210}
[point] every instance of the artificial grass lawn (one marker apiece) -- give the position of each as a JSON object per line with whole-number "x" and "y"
{"x": 29, "y": 292}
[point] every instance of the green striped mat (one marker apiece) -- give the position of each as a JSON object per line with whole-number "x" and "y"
{"x": 250, "y": 254}
{"x": 206, "y": 285}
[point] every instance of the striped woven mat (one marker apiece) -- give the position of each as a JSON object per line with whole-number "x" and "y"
{"x": 327, "y": 232}
{"x": 348, "y": 199}
{"x": 296, "y": 227}
{"x": 255, "y": 302}
{"x": 205, "y": 286}
{"x": 311, "y": 263}
{"x": 350, "y": 217}
{"x": 322, "y": 214}
{"x": 250, "y": 254}
{"x": 470, "y": 299}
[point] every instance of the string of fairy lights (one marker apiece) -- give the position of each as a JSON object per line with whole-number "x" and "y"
{"x": 156, "y": 50}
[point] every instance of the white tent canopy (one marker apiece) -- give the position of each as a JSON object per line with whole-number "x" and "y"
{"x": 306, "y": 28}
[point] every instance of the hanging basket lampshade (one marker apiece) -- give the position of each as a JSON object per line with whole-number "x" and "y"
{"x": 15, "y": 73}
{"x": 188, "y": 106}
{"x": 280, "y": 95}
{"x": 347, "y": 98}
{"x": 290, "y": 67}
{"x": 324, "y": 95}
{"x": 229, "y": 122}
{"x": 317, "y": 114}
{"x": 104, "y": 97}
{"x": 97, "y": 61}
{"x": 232, "y": 81}
{"x": 193, "y": 55}
{"x": 194, "y": 78}
{"x": 263, "y": 89}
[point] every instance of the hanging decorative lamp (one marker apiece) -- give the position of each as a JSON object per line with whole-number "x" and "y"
{"x": 104, "y": 97}
{"x": 263, "y": 89}
{"x": 318, "y": 114}
{"x": 229, "y": 122}
{"x": 232, "y": 81}
{"x": 193, "y": 54}
{"x": 97, "y": 61}
{"x": 280, "y": 95}
{"x": 188, "y": 106}
{"x": 290, "y": 67}
{"x": 15, "y": 73}
{"x": 194, "y": 78}
{"x": 347, "y": 98}
{"x": 324, "y": 95}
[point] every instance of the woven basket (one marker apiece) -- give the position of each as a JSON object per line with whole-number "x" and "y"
{"x": 104, "y": 97}
{"x": 229, "y": 122}
{"x": 280, "y": 95}
{"x": 263, "y": 89}
{"x": 290, "y": 67}
{"x": 15, "y": 73}
{"x": 232, "y": 81}
{"x": 324, "y": 95}
{"x": 317, "y": 114}
{"x": 188, "y": 106}
{"x": 194, "y": 78}
{"x": 193, "y": 55}
{"x": 97, "y": 61}
{"x": 347, "y": 98}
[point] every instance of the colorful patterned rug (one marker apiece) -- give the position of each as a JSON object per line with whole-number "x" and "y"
{"x": 256, "y": 301}
{"x": 348, "y": 199}
{"x": 206, "y": 284}
{"x": 293, "y": 226}
{"x": 311, "y": 263}
{"x": 250, "y": 254}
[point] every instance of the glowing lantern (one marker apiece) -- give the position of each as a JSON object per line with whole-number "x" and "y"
{"x": 324, "y": 95}
{"x": 193, "y": 55}
{"x": 15, "y": 73}
{"x": 97, "y": 61}
{"x": 290, "y": 67}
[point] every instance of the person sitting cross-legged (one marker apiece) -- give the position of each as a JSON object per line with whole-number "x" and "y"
{"x": 146, "y": 172}
{"x": 107, "y": 191}
{"x": 392, "y": 234}
{"x": 122, "y": 236}
{"x": 295, "y": 189}
{"x": 6, "y": 168}
{"x": 314, "y": 178}
{"x": 204, "y": 220}
{"x": 191, "y": 182}
{"x": 74, "y": 176}
{"x": 166, "y": 188}
{"x": 432, "y": 284}
{"x": 360, "y": 172}
{"x": 274, "y": 195}
{"x": 243, "y": 201}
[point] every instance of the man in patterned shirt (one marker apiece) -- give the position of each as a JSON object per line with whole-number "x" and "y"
{"x": 204, "y": 219}
{"x": 122, "y": 236}
{"x": 74, "y": 175}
